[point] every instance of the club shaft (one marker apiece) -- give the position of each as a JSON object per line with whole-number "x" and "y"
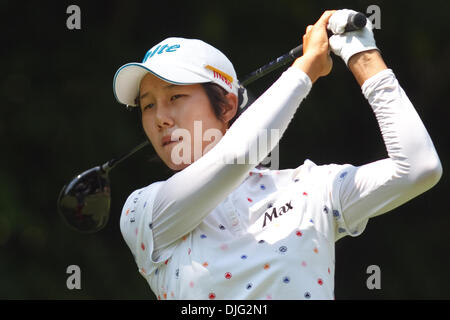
{"x": 113, "y": 162}
{"x": 273, "y": 65}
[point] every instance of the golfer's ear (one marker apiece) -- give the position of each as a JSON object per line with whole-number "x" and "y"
{"x": 229, "y": 110}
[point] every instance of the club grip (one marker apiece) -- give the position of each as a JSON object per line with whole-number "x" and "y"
{"x": 355, "y": 22}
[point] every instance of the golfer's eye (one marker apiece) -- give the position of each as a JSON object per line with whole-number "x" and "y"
{"x": 177, "y": 96}
{"x": 148, "y": 106}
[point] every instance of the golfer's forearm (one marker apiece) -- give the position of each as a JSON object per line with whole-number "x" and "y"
{"x": 413, "y": 165}
{"x": 191, "y": 194}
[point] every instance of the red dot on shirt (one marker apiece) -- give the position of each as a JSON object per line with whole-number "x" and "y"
{"x": 228, "y": 275}
{"x": 305, "y": 194}
{"x": 260, "y": 174}
{"x": 299, "y": 233}
{"x": 249, "y": 200}
{"x": 329, "y": 271}
{"x": 212, "y": 295}
{"x": 142, "y": 246}
{"x": 320, "y": 281}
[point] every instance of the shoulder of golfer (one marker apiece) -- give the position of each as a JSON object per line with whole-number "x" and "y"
{"x": 412, "y": 166}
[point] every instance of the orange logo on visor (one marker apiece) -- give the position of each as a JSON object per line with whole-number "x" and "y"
{"x": 218, "y": 74}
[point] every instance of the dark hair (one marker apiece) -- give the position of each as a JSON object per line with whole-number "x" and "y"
{"x": 216, "y": 95}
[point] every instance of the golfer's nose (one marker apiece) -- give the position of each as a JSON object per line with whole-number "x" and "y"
{"x": 164, "y": 117}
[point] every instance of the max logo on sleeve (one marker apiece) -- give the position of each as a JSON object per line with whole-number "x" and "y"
{"x": 274, "y": 214}
{"x": 160, "y": 50}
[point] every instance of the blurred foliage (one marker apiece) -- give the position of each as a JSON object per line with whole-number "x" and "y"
{"x": 59, "y": 118}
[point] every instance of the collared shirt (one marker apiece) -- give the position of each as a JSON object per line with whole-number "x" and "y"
{"x": 218, "y": 231}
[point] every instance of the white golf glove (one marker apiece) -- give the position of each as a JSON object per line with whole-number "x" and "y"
{"x": 347, "y": 44}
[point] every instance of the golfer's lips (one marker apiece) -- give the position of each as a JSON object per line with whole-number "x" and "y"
{"x": 167, "y": 139}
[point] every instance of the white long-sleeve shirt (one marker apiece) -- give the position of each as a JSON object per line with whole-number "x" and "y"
{"x": 232, "y": 231}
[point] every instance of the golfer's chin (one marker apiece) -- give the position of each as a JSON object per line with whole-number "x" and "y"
{"x": 174, "y": 163}
{"x": 176, "y": 167}
{"x": 171, "y": 156}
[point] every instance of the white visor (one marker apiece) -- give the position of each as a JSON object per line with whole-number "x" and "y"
{"x": 177, "y": 61}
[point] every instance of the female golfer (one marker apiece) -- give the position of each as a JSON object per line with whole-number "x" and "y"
{"x": 221, "y": 229}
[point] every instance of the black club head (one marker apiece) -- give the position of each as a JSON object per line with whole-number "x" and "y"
{"x": 84, "y": 203}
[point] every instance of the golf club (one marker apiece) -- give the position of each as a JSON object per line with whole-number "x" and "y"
{"x": 84, "y": 203}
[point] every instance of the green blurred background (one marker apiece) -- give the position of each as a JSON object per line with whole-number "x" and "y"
{"x": 59, "y": 118}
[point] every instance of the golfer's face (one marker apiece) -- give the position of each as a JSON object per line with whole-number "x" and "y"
{"x": 173, "y": 114}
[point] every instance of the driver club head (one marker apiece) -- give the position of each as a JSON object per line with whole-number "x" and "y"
{"x": 84, "y": 203}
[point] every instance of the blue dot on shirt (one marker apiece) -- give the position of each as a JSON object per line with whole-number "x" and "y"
{"x": 244, "y": 256}
{"x": 263, "y": 187}
{"x": 336, "y": 213}
{"x": 203, "y": 236}
{"x": 286, "y": 280}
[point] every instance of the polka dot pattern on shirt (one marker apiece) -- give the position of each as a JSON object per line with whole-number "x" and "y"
{"x": 218, "y": 233}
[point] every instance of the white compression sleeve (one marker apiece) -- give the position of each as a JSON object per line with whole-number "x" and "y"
{"x": 413, "y": 165}
{"x": 190, "y": 195}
